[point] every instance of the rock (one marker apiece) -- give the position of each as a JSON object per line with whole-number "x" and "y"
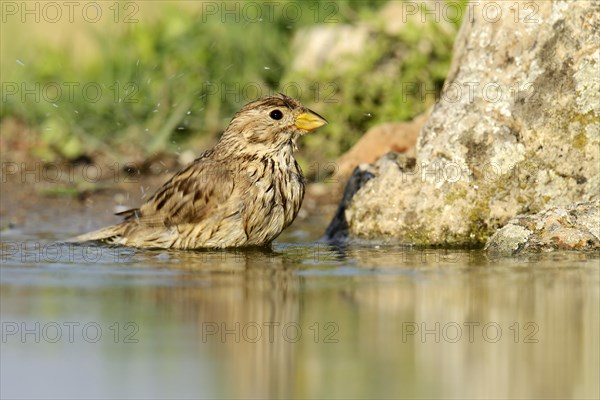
{"x": 323, "y": 45}
{"x": 400, "y": 137}
{"x": 516, "y": 130}
{"x": 402, "y": 17}
{"x": 575, "y": 227}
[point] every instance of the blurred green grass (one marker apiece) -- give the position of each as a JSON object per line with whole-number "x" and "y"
{"x": 174, "y": 79}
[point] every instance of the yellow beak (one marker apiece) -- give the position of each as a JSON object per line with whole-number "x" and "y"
{"x": 310, "y": 120}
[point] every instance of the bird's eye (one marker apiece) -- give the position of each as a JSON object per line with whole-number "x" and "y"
{"x": 276, "y": 114}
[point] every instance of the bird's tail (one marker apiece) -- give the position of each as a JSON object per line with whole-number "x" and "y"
{"x": 108, "y": 234}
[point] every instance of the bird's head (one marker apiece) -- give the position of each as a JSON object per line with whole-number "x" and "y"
{"x": 270, "y": 124}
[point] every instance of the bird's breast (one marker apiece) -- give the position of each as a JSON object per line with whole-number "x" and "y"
{"x": 275, "y": 193}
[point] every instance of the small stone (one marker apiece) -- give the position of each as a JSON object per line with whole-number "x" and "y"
{"x": 508, "y": 240}
{"x": 557, "y": 228}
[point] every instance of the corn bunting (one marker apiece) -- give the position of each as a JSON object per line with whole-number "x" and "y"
{"x": 242, "y": 192}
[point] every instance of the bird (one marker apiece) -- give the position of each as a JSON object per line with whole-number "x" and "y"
{"x": 243, "y": 192}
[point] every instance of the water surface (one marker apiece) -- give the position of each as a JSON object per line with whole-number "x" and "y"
{"x": 303, "y": 320}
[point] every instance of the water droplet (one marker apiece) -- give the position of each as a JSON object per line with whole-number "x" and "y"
{"x": 21, "y": 63}
{"x": 189, "y": 112}
{"x": 54, "y": 105}
{"x": 267, "y": 67}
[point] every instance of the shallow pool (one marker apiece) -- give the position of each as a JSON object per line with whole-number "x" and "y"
{"x": 303, "y": 320}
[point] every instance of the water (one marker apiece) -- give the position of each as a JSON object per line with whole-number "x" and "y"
{"x": 305, "y": 320}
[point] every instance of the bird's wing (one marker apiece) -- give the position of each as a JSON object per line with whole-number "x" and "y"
{"x": 188, "y": 197}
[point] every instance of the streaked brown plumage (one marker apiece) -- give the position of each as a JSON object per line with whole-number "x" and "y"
{"x": 242, "y": 192}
